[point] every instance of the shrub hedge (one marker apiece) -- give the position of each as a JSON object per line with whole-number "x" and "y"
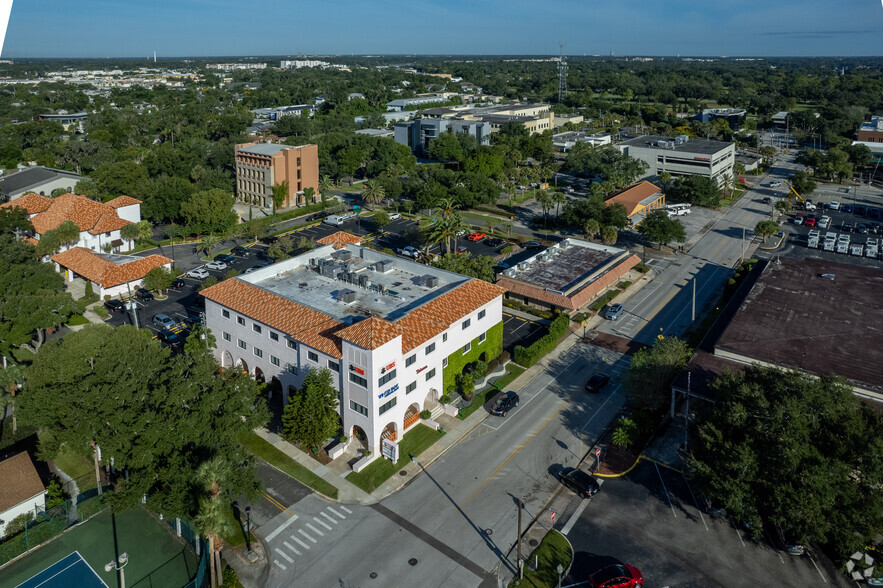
{"x": 599, "y": 304}
{"x": 530, "y": 355}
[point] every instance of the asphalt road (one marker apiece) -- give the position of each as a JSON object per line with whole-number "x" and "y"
{"x": 650, "y": 519}
{"x": 455, "y": 525}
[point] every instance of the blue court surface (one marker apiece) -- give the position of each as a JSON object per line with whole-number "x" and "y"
{"x": 69, "y": 572}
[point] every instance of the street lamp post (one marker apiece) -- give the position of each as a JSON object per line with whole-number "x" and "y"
{"x": 123, "y": 559}
{"x": 247, "y": 529}
{"x": 560, "y": 571}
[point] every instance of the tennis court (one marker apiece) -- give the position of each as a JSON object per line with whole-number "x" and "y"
{"x": 72, "y": 571}
{"x": 77, "y": 557}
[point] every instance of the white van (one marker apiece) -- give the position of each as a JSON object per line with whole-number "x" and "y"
{"x": 334, "y": 220}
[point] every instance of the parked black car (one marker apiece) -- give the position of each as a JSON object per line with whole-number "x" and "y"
{"x": 144, "y": 294}
{"x": 597, "y": 382}
{"x": 505, "y": 403}
{"x": 114, "y": 305}
{"x": 580, "y": 482}
{"x": 191, "y": 319}
{"x": 171, "y": 338}
{"x": 178, "y": 283}
{"x": 532, "y": 245}
{"x": 228, "y": 259}
{"x": 241, "y": 251}
{"x": 494, "y": 242}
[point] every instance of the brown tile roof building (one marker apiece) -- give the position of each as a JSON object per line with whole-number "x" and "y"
{"x": 20, "y": 481}
{"x": 89, "y": 215}
{"x": 121, "y": 201}
{"x": 99, "y": 268}
{"x": 638, "y": 197}
{"x": 340, "y": 239}
{"x": 370, "y": 333}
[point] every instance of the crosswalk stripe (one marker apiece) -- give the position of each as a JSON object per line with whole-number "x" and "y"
{"x": 302, "y": 532}
{"x": 315, "y": 530}
{"x": 299, "y": 542}
{"x": 321, "y": 523}
{"x": 328, "y": 516}
{"x": 336, "y": 513}
{"x": 283, "y": 554}
{"x": 289, "y": 546}
{"x": 348, "y": 511}
{"x": 276, "y": 561}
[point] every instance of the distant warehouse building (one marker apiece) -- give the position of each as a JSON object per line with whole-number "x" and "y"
{"x": 682, "y": 156}
{"x": 567, "y": 275}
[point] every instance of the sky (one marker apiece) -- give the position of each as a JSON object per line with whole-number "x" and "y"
{"x": 182, "y": 28}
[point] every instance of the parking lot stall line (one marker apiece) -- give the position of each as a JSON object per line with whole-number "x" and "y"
{"x": 693, "y": 496}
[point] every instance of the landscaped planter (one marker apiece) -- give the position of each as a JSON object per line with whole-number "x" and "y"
{"x": 364, "y": 462}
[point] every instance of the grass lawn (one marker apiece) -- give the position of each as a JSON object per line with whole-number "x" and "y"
{"x": 554, "y": 550}
{"x": 77, "y": 467}
{"x": 236, "y": 537}
{"x": 265, "y": 450}
{"x": 512, "y": 372}
{"x": 415, "y": 442}
{"x": 77, "y": 319}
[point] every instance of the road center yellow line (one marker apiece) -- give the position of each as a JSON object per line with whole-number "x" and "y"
{"x": 277, "y": 504}
{"x": 661, "y": 306}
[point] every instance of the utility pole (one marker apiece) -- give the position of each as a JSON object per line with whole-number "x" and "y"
{"x": 694, "y": 299}
{"x": 518, "y": 540}
{"x": 742, "y": 258}
{"x": 132, "y": 306}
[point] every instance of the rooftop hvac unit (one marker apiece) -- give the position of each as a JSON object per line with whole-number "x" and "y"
{"x": 343, "y": 255}
{"x": 509, "y": 272}
{"x": 566, "y": 243}
{"x": 384, "y": 265}
{"x": 430, "y": 281}
{"x": 523, "y": 265}
{"x": 331, "y": 271}
{"x": 681, "y": 139}
{"x": 346, "y": 296}
{"x": 313, "y": 262}
{"x": 364, "y": 281}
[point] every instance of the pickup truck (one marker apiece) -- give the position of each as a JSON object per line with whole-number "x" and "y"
{"x": 830, "y": 241}
{"x": 856, "y": 249}
{"x": 843, "y": 243}
{"x": 872, "y": 247}
{"x": 409, "y": 251}
{"x": 812, "y": 239}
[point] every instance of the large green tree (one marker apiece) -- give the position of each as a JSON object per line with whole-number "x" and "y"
{"x": 310, "y": 417}
{"x": 158, "y": 416}
{"x": 658, "y": 227}
{"x": 795, "y": 451}
{"x": 652, "y": 370}
{"x": 698, "y": 190}
{"x": 209, "y": 211}
{"x": 476, "y": 266}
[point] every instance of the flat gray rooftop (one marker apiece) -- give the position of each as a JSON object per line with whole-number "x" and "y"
{"x": 566, "y": 268}
{"x": 264, "y": 149}
{"x": 703, "y": 146}
{"x": 118, "y": 258}
{"x": 389, "y": 293}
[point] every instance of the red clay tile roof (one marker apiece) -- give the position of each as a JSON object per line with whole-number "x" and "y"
{"x": 370, "y": 333}
{"x": 89, "y": 215}
{"x": 93, "y": 266}
{"x": 417, "y": 331}
{"x": 33, "y": 203}
{"x": 340, "y": 239}
{"x": 20, "y": 481}
{"x": 121, "y": 201}
{"x": 450, "y": 307}
{"x": 631, "y": 197}
{"x": 30, "y": 240}
{"x": 309, "y": 326}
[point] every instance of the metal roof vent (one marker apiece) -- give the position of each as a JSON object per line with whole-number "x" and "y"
{"x": 509, "y": 272}
{"x": 346, "y": 296}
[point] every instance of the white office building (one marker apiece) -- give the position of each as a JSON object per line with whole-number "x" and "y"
{"x": 392, "y": 332}
{"x": 682, "y": 156}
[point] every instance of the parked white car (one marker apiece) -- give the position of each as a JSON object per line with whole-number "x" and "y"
{"x": 408, "y": 251}
{"x": 216, "y": 265}
{"x": 395, "y": 216}
{"x": 198, "y": 273}
{"x": 775, "y": 184}
{"x": 834, "y": 205}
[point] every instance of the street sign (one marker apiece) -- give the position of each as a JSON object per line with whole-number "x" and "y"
{"x": 553, "y": 515}
{"x": 390, "y": 450}
{"x": 584, "y": 323}
{"x": 598, "y": 452}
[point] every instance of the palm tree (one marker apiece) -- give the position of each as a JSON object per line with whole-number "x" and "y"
{"x": 325, "y": 184}
{"x": 457, "y": 224}
{"x": 145, "y": 230}
{"x": 558, "y": 198}
{"x": 591, "y": 228}
{"x": 280, "y": 194}
{"x": 446, "y": 208}
{"x": 546, "y": 204}
{"x": 212, "y": 518}
{"x": 373, "y": 193}
{"x": 130, "y": 232}
{"x": 508, "y": 226}
{"x": 10, "y": 380}
{"x": 208, "y": 243}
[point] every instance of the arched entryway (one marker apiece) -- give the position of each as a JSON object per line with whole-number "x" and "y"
{"x": 359, "y": 435}
{"x": 431, "y": 400}
{"x": 243, "y": 366}
{"x": 226, "y": 359}
{"x": 259, "y": 375}
{"x": 390, "y": 431}
{"x": 274, "y": 387}
{"x": 412, "y": 416}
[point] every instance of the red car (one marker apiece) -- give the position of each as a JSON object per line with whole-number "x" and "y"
{"x": 461, "y": 249}
{"x": 617, "y": 576}
{"x": 810, "y": 221}
{"x": 476, "y": 236}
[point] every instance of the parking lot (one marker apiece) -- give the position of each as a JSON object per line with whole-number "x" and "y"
{"x": 520, "y": 331}
{"x": 650, "y": 519}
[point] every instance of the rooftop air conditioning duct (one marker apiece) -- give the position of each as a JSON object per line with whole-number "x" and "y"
{"x": 346, "y": 296}
{"x": 509, "y": 272}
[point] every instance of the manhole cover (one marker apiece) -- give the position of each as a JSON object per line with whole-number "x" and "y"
{"x": 533, "y": 542}
{"x": 413, "y": 561}
{"x": 403, "y": 473}
{"x": 372, "y": 575}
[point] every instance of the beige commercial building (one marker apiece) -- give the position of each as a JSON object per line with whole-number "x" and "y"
{"x": 260, "y": 166}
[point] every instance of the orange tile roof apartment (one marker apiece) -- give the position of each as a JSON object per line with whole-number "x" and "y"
{"x": 386, "y": 327}
{"x": 99, "y": 222}
{"x": 567, "y": 275}
{"x": 260, "y": 166}
{"x": 110, "y": 273}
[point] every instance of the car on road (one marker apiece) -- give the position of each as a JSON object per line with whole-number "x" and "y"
{"x": 395, "y": 216}
{"x": 798, "y": 220}
{"x": 114, "y": 305}
{"x": 767, "y": 200}
{"x": 177, "y": 284}
{"x": 580, "y": 482}
{"x": 475, "y": 237}
{"x": 505, "y": 403}
{"x": 597, "y": 382}
{"x": 810, "y": 221}
{"x": 170, "y": 338}
{"x": 775, "y": 184}
{"x": 408, "y": 251}
{"x": 834, "y": 205}
{"x": 494, "y": 242}
{"x": 613, "y": 312}
{"x": 532, "y": 245}
{"x": 164, "y": 322}
{"x": 462, "y": 249}
{"x": 144, "y": 294}
{"x": 240, "y": 251}
{"x": 617, "y": 576}
{"x": 198, "y": 273}
{"x": 225, "y": 258}
{"x": 216, "y": 265}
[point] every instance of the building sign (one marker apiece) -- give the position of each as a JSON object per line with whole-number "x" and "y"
{"x": 702, "y": 158}
{"x": 387, "y": 368}
{"x": 386, "y": 393}
{"x": 421, "y": 369}
{"x": 390, "y": 450}
{"x": 358, "y": 370}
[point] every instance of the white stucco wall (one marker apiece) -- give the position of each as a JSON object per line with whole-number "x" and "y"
{"x": 31, "y": 505}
